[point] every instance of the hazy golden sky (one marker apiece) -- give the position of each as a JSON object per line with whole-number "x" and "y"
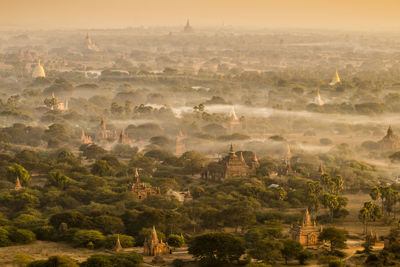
{"x": 354, "y": 14}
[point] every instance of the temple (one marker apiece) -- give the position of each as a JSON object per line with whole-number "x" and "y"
{"x": 55, "y": 104}
{"x": 307, "y": 233}
{"x": 155, "y": 247}
{"x": 104, "y": 133}
{"x": 236, "y": 166}
{"x": 90, "y": 45}
{"x": 141, "y": 190}
{"x": 234, "y": 122}
{"x": 390, "y": 141}
{"x": 179, "y": 144}
{"x": 286, "y": 168}
{"x": 336, "y": 79}
{"x": 123, "y": 138}
{"x": 188, "y": 28}
{"x": 38, "y": 71}
{"x": 85, "y": 139}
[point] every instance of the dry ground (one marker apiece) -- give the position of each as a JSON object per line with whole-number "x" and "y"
{"x": 42, "y": 250}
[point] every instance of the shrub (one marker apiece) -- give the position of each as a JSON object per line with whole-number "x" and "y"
{"x": 178, "y": 263}
{"x": 28, "y": 221}
{"x": 4, "y": 240}
{"x": 22, "y": 259}
{"x": 22, "y": 236}
{"x": 58, "y": 261}
{"x": 127, "y": 260}
{"x": 325, "y": 141}
{"x": 175, "y": 241}
{"x": 46, "y": 232}
{"x": 88, "y": 238}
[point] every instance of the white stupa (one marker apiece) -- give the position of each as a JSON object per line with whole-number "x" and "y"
{"x": 90, "y": 44}
{"x": 318, "y": 99}
{"x": 38, "y": 71}
{"x": 336, "y": 79}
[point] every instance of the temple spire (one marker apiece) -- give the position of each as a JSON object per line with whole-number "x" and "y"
{"x": 255, "y": 159}
{"x": 336, "y": 78}
{"x": 321, "y": 169}
{"x": 389, "y": 131}
{"x": 307, "y": 218}
{"x": 18, "y": 185}
{"x": 122, "y": 137}
{"x": 137, "y": 178}
{"x": 118, "y": 246}
{"x": 103, "y": 123}
{"x": 154, "y": 236}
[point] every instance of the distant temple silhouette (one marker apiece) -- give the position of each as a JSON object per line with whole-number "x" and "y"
{"x": 188, "y": 28}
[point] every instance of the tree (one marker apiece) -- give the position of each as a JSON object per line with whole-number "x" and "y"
{"x": 375, "y": 193}
{"x": 338, "y": 184}
{"x": 281, "y": 194}
{"x": 71, "y": 218}
{"x": 109, "y": 224}
{"x": 336, "y": 237}
{"x": 22, "y": 236}
{"x": 102, "y": 168}
{"x": 238, "y": 215}
{"x": 331, "y": 202}
{"x": 17, "y": 171}
{"x": 88, "y": 239}
{"x": 4, "y": 237}
{"x": 267, "y": 250}
{"x": 176, "y": 241}
{"x": 304, "y": 256}
{"x": 28, "y": 221}
{"x": 58, "y": 179}
{"x": 193, "y": 162}
{"x": 369, "y": 213}
{"x": 291, "y": 249}
{"x": 216, "y": 249}
{"x": 313, "y": 196}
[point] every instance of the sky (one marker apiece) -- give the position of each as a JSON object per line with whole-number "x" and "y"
{"x": 313, "y": 14}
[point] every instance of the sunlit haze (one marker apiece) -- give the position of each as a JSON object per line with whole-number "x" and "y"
{"x": 339, "y": 14}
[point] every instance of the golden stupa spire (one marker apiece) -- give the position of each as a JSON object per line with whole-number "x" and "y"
{"x": 336, "y": 78}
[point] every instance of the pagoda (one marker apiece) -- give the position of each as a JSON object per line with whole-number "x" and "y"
{"x": 188, "y": 28}
{"x": 141, "y": 190}
{"x": 18, "y": 185}
{"x": 390, "y": 141}
{"x": 154, "y": 247}
{"x": 336, "y": 79}
{"x": 235, "y": 166}
{"x": 38, "y": 71}
{"x": 179, "y": 144}
{"x": 307, "y": 232}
